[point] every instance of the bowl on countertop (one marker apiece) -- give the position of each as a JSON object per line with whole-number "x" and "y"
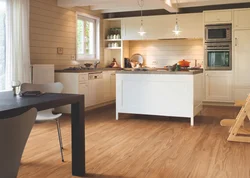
{"x": 88, "y": 65}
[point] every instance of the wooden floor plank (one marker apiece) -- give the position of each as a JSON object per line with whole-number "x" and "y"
{"x": 141, "y": 146}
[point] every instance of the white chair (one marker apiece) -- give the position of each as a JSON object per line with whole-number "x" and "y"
{"x": 47, "y": 115}
{"x": 14, "y": 133}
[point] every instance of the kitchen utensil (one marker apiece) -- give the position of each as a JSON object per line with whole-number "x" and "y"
{"x": 137, "y": 60}
{"x": 127, "y": 63}
{"x": 88, "y": 65}
{"x": 184, "y": 63}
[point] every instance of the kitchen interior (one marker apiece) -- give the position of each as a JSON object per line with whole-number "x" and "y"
{"x": 182, "y": 67}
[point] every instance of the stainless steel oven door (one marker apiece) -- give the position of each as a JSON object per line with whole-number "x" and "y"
{"x": 218, "y": 58}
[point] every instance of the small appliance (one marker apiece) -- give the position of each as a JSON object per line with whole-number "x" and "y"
{"x": 218, "y": 33}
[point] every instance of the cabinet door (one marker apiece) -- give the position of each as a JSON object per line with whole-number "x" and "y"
{"x": 224, "y": 16}
{"x": 113, "y": 85}
{"x": 130, "y": 28}
{"x": 84, "y": 89}
{"x": 161, "y": 27}
{"x": 95, "y": 92}
{"x": 219, "y": 86}
{"x": 241, "y": 19}
{"x": 242, "y": 63}
{"x": 98, "y": 85}
{"x": 191, "y": 25}
{"x": 106, "y": 86}
{"x": 92, "y": 93}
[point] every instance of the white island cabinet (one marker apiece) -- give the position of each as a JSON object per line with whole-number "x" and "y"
{"x": 176, "y": 94}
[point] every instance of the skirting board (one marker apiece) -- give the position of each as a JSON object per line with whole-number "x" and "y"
{"x": 208, "y": 103}
{"x": 99, "y": 105}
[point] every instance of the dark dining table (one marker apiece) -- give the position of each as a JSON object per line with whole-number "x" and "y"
{"x": 11, "y": 106}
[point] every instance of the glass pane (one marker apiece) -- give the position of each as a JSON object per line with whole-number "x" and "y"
{"x": 89, "y": 38}
{"x": 217, "y": 33}
{"x": 2, "y": 45}
{"x": 80, "y": 37}
{"x": 218, "y": 59}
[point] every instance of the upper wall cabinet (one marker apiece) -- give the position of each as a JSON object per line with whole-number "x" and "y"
{"x": 161, "y": 27}
{"x": 191, "y": 25}
{"x": 218, "y": 17}
{"x": 241, "y": 19}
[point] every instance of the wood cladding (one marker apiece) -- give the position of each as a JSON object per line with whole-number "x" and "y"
{"x": 159, "y": 53}
{"x": 141, "y": 146}
{"x": 52, "y": 27}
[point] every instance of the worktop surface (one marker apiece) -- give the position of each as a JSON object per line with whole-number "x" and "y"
{"x": 190, "y": 72}
{"x": 88, "y": 70}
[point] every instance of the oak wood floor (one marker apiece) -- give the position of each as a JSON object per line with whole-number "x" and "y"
{"x": 141, "y": 146}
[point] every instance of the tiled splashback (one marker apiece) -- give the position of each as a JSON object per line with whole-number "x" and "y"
{"x": 168, "y": 52}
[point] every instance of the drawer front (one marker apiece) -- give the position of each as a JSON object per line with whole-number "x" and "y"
{"x": 83, "y": 78}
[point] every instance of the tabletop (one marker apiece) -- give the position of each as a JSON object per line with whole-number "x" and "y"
{"x": 11, "y": 105}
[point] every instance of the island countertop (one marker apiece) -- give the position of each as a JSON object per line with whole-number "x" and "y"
{"x": 190, "y": 72}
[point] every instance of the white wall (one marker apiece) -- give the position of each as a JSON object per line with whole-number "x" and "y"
{"x": 159, "y": 53}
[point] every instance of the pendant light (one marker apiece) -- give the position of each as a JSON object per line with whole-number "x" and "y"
{"x": 141, "y": 4}
{"x": 176, "y": 27}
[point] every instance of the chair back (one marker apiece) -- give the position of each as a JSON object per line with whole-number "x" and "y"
{"x": 48, "y": 88}
{"x": 14, "y": 133}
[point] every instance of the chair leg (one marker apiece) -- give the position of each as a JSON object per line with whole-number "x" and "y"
{"x": 60, "y": 138}
{"x": 59, "y": 130}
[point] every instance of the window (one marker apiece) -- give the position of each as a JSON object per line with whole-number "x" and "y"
{"x": 87, "y": 37}
{"x": 2, "y": 45}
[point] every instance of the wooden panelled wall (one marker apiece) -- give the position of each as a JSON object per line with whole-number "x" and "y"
{"x": 51, "y": 27}
{"x": 159, "y": 53}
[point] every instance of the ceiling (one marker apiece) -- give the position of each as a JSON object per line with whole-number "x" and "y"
{"x": 107, "y": 6}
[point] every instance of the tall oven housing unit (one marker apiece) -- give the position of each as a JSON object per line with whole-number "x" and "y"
{"x": 218, "y": 47}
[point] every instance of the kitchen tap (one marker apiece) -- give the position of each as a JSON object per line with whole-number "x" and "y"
{"x": 96, "y": 63}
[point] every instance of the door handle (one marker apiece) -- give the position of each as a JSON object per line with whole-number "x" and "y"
{"x": 236, "y": 41}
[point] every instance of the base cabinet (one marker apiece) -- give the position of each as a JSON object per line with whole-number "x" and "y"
{"x": 96, "y": 92}
{"x": 219, "y": 86}
{"x": 113, "y": 85}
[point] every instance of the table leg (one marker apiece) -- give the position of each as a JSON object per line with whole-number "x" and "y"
{"x": 78, "y": 138}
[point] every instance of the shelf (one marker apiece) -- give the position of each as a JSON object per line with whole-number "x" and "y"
{"x": 113, "y": 48}
{"x": 113, "y": 39}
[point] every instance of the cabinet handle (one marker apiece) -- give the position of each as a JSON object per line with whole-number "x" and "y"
{"x": 236, "y": 41}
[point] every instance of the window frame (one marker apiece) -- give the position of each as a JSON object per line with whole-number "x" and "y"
{"x": 96, "y": 55}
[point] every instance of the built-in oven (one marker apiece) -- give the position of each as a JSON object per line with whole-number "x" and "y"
{"x": 218, "y": 56}
{"x": 218, "y": 33}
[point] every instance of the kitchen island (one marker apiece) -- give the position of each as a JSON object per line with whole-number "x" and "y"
{"x": 161, "y": 93}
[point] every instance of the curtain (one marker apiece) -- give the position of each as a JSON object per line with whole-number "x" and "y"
{"x": 17, "y": 42}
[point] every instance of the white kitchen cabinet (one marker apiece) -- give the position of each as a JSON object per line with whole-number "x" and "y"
{"x": 191, "y": 25}
{"x": 241, "y": 19}
{"x": 217, "y": 17}
{"x": 242, "y": 63}
{"x": 96, "y": 88}
{"x": 166, "y": 94}
{"x": 106, "y": 86}
{"x": 73, "y": 83}
{"x": 219, "y": 86}
{"x": 109, "y": 84}
{"x": 161, "y": 27}
{"x": 113, "y": 85}
{"x": 84, "y": 89}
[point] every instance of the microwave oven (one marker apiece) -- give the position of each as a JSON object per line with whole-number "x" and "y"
{"x": 218, "y": 33}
